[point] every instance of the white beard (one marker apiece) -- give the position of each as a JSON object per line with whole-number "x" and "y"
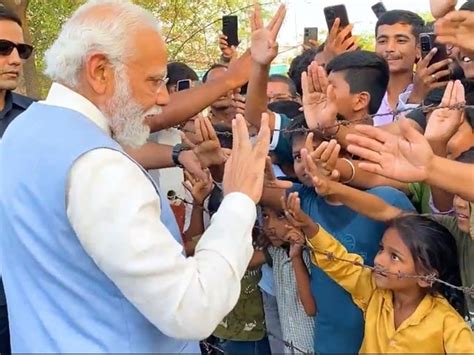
{"x": 126, "y": 116}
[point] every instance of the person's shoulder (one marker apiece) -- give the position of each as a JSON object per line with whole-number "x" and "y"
{"x": 21, "y": 100}
{"x": 393, "y": 196}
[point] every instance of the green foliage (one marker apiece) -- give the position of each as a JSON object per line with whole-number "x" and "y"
{"x": 190, "y": 28}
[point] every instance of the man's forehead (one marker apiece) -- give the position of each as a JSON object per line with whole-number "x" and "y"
{"x": 11, "y": 30}
{"x": 395, "y": 30}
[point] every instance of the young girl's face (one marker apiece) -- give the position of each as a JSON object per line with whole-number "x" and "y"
{"x": 394, "y": 256}
{"x": 463, "y": 213}
{"x": 274, "y": 226}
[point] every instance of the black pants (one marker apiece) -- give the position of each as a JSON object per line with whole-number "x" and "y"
{"x": 4, "y": 331}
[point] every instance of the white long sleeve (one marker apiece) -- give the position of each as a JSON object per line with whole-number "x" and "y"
{"x": 115, "y": 212}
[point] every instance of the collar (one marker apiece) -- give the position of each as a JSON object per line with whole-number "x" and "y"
{"x": 423, "y": 309}
{"x": 61, "y": 96}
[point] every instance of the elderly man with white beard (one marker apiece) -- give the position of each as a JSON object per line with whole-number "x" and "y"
{"x": 88, "y": 255}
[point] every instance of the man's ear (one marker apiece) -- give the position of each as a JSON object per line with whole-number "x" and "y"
{"x": 99, "y": 73}
{"x": 361, "y": 101}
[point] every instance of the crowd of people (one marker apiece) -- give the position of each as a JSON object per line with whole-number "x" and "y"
{"x": 329, "y": 210}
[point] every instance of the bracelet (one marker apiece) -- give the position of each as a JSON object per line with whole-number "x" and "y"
{"x": 353, "y": 171}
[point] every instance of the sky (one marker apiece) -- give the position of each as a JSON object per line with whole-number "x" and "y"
{"x": 309, "y": 13}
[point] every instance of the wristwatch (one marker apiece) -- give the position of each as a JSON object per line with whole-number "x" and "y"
{"x": 177, "y": 149}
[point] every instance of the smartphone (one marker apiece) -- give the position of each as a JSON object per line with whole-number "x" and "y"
{"x": 336, "y": 11}
{"x": 230, "y": 28}
{"x": 427, "y": 43}
{"x": 310, "y": 33}
{"x": 379, "y": 9}
{"x": 183, "y": 84}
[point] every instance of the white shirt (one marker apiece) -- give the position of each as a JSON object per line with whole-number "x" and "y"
{"x": 115, "y": 212}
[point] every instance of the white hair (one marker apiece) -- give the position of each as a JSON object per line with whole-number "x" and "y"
{"x": 86, "y": 32}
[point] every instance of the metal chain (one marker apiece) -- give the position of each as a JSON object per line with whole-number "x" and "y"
{"x": 323, "y": 131}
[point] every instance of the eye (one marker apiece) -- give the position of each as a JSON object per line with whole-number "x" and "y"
{"x": 297, "y": 157}
{"x": 381, "y": 41}
{"x": 402, "y": 41}
{"x": 394, "y": 257}
{"x": 265, "y": 216}
{"x": 281, "y": 215}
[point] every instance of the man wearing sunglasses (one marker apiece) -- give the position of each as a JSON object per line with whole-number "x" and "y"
{"x": 13, "y": 51}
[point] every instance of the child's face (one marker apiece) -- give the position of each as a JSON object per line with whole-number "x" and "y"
{"x": 274, "y": 226}
{"x": 463, "y": 213}
{"x": 394, "y": 256}
{"x": 298, "y": 165}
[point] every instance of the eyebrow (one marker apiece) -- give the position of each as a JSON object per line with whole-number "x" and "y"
{"x": 398, "y": 35}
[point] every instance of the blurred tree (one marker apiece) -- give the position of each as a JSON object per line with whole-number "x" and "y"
{"x": 190, "y": 28}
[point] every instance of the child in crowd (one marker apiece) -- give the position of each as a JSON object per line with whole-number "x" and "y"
{"x": 296, "y": 305}
{"x": 402, "y": 314}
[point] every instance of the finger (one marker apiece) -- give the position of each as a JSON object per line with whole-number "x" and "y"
{"x": 372, "y": 132}
{"x": 371, "y": 167}
{"x": 323, "y": 79}
{"x": 314, "y": 77}
{"x": 283, "y": 203}
{"x": 332, "y": 160}
{"x": 269, "y": 169}
{"x": 438, "y": 66}
{"x": 189, "y": 177}
{"x": 262, "y": 143}
{"x": 309, "y": 164}
{"x": 187, "y": 186}
{"x": 335, "y": 175}
{"x": 308, "y": 144}
{"x": 334, "y": 31}
{"x": 320, "y": 149}
{"x": 445, "y": 101}
{"x": 275, "y": 29}
{"x": 460, "y": 93}
{"x": 186, "y": 141}
{"x": 326, "y": 154}
{"x": 427, "y": 59}
{"x": 306, "y": 88}
{"x": 345, "y": 32}
{"x": 258, "y": 15}
{"x": 197, "y": 129}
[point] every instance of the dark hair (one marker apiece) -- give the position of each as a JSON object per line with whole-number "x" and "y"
{"x": 364, "y": 71}
{"x": 467, "y": 6}
{"x": 213, "y": 66}
{"x": 286, "y": 107}
{"x": 393, "y": 17}
{"x": 180, "y": 71}
{"x": 8, "y": 15}
{"x": 298, "y": 128}
{"x": 300, "y": 64}
{"x": 433, "y": 250}
{"x": 466, "y": 157}
{"x": 278, "y": 78}
{"x": 224, "y": 134}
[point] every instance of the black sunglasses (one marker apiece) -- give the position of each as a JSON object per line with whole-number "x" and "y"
{"x": 24, "y": 50}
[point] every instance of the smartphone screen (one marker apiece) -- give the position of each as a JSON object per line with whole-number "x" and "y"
{"x": 310, "y": 33}
{"x": 379, "y": 9}
{"x": 230, "y": 29}
{"x": 336, "y": 11}
{"x": 183, "y": 84}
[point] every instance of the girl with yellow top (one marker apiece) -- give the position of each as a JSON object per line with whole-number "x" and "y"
{"x": 401, "y": 314}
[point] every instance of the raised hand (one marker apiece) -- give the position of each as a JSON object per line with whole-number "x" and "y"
{"x": 270, "y": 181}
{"x": 439, "y": 8}
{"x": 264, "y": 47}
{"x": 297, "y": 218}
{"x": 319, "y": 100}
{"x": 227, "y": 52}
{"x": 339, "y": 41}
{"x": 427, "y": 77}
{"x": 443, "y": 123}
{"x": 456, "y": 28}
{"x": 199, "y": 188}
{"x": 405, "y": 158}
{"x": 244, "y": 170}
{"x": 208, "y": 148}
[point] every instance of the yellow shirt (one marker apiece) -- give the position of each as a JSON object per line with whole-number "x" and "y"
{"x": 434, "y": 327}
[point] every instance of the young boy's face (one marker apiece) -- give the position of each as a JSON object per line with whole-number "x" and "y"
{"x": 298, "y": 165}
{"x": 345, "y": 101}
{"x": 274, "y": 225}
{"x": 398, "y": 46}
{"x": 463, "y": 213}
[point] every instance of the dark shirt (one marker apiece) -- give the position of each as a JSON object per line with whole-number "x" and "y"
{"x": 14, "y": 105}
